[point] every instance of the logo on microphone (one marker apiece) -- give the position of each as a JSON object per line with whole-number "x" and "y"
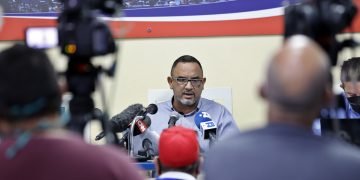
{"x": 210, "y": 124}
{"x": 141, "y": 125}
{"x": 205, "y": 115}
{"x": 207, "y": 125}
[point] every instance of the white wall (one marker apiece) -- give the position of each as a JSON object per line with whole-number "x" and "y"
{"x": 236, "y": 62}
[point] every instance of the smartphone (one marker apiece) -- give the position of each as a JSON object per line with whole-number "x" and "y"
{"x": 41, "y": 37}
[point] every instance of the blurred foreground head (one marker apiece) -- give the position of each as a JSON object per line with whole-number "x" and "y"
{"x": 298, "y": 82}
{"x": 179, "y": 151}
{"x": 28, "y": 84}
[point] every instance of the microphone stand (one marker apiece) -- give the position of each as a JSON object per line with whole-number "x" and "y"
{"x": 123, "y": 142}
{"x": 212, "y": 138}
{"x": 131, "y": 136}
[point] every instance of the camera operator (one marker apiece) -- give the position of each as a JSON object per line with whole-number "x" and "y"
{"x": 322, "y": 20}
{"x": 34, "y": 145}
{"x": 350, "y": 83}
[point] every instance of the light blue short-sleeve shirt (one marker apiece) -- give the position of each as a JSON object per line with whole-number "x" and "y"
{"x": 226, "y": 125}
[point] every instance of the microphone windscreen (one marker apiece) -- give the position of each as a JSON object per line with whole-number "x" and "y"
{"x": 200, "y": 117}
{"x": 174, "y": 116}
{"x": 121, "y": 121}
{"x": 152, "y": 109}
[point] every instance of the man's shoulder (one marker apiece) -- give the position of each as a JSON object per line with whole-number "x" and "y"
{"x": 109, "y": 153}
{"x": 73, "y": 146}
{"x": 250, "y": 136}
{"x": 164, "y": 104}
{"x": 208, "y": 101}
{"x": 250, "y": 140}
{"x": 254, "y": 140}
{"x": 248, "y": 150}
{"x": 341, "y": 150}
{"x": 104, "y": 158}
{"x": 210, "y": 104}
{"x": 90, "y": 161}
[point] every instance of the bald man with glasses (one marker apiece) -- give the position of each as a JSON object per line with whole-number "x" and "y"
{"x": 187, "y": 83}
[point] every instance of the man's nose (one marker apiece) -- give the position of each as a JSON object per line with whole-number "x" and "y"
{"x": 188, "y": 85}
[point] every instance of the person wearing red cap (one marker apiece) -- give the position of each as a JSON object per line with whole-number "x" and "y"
{"x": 178, "y": 154}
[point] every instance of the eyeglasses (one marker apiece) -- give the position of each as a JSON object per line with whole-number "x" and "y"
{"x": 184, "y": 81}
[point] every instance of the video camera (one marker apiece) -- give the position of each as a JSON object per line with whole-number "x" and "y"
{"x": 321, "y": 20}
{"x": 82, "y": 35}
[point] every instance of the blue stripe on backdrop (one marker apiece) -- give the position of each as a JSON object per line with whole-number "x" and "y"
{"x": 225, "y": 7}
{"x": 205, "y": 9}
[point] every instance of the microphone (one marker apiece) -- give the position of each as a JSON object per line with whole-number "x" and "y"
{"x": 121, "y": 122}
{"x": 151, "y": 109}
{"x": 145, "y": 124}
{"x": 206, "y": 125}
{"x": 148, "y": 151}
{"x": 173, "y": 118}
{"x": 142, "y": 125}
{"x": 139, "y": 122}
{"x": 149, "y": 145}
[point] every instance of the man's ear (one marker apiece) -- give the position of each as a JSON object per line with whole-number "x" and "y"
{"x": 204, "y": 81}
{"x": 342, "y": 85}
{"x": 262, "y": 91}
{"x": 5, "y": 127}
{"x": 170, "y": 80}
{"x": 328, "y": 96}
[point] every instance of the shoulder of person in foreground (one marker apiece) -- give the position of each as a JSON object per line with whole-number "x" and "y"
{"x": 115, "y": 161}
{"x": 111, "y": 161}
{"x": 214, "y": 159}
{"x": 342, "y": 151}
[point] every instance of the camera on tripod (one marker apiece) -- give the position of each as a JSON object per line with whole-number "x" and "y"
{"x": 321, "y": 20}
{"x": 81, "y": 33}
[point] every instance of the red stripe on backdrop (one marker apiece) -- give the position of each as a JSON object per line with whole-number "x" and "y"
{"x": 14, "y": 28}
{"x": 356, "y": 22}
{"x": 263, "y": 26}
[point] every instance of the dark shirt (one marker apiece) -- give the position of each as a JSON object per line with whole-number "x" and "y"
{"x": 282, "y": 152}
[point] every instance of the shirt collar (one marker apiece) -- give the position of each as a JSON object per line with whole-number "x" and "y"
{"x": 188, "y": 114}
{"x": 177, "y": 175}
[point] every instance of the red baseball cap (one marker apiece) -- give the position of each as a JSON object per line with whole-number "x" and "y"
{"x": 178, "y": 147}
